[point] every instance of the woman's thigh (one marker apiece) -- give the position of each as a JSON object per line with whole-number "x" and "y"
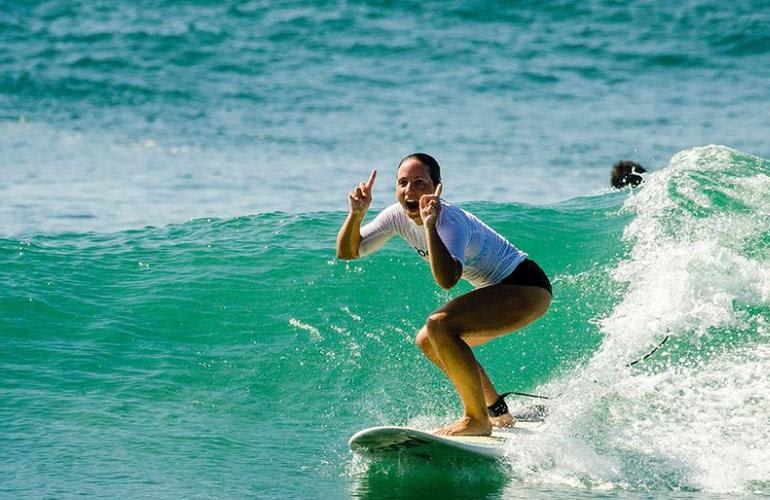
{"x": 486, "y": 313}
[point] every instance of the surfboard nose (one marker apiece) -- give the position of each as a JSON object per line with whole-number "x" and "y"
{"x": 385, "y": 438}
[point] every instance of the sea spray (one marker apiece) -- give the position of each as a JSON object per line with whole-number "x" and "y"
{"x": 687, "y": 418}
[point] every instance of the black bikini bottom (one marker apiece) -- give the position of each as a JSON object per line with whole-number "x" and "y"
{"x": 528, "y": 273}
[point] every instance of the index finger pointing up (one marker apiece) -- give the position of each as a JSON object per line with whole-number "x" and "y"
{"x": 372, "y": 176}
{"x": 437, "y": 192}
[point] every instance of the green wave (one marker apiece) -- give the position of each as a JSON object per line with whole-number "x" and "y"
{"x": 245, "y": 330}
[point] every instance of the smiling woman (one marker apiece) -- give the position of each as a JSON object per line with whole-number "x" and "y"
{"x": 511, "y": 290}
{"x": 418, "y": 181}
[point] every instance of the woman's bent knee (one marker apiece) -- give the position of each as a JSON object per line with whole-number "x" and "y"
{"x": 422, "y": 340}
{"x": 438, "y": 326}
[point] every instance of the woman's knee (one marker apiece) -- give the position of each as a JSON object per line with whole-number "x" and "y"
{"x": 438, "y": 326}
{"x": 422, "y": 340}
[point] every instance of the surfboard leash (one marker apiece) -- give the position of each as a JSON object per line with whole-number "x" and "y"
{"x": 525, "y": 394}
{"x": 649, "y": 353}
{"x": 500, "y": 407}
{"x": 501, "y": 401}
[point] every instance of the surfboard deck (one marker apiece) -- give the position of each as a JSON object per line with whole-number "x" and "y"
{"x": 406, "y": 441}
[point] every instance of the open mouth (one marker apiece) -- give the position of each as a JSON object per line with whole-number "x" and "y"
{"x": 411, "y": 206}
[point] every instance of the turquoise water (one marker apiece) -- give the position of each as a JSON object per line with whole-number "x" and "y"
{"x": 236, "y": 356}
{"x": 173, "y": 321}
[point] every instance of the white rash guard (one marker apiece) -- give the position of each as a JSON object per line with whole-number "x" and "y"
{"x": 486, "y": 257}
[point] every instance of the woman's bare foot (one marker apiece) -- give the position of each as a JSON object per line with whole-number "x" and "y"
{"x": 504, "y": 420}
{"x": 466, "y": 426}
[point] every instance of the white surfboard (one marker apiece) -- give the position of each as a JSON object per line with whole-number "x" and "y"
{"x": 405, "y": 441}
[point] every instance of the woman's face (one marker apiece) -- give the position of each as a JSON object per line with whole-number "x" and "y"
{"x": 413, "y": 181}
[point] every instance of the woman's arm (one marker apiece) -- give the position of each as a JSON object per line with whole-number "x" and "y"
{"x": 445, "y": 268}
{"x": 349, "y": 236}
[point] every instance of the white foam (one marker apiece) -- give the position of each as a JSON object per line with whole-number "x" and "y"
{"x": 695, "y": 418}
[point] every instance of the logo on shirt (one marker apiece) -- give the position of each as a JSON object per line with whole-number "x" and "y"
{"x": 423, "y": 253}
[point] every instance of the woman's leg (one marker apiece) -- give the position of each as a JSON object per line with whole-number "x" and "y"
{"x": 490, "y": 393}
{"x": 477, "y": 317}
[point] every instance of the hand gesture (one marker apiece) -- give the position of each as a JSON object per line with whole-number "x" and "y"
{"x": 361, "y": 197}
{"x": 430, "y": 207}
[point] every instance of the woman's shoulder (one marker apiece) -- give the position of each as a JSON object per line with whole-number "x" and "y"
{"x": 393, "y": 207}
{"x": 454, "y": 212}
{"x": 454, "y": 216}
{"x": 391, "y": 211}
{"x": 392, "y": 215}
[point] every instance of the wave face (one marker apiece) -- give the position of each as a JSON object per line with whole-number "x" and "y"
{"x": 174, "y": 360}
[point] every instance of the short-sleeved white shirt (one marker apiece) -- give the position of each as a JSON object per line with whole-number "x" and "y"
{"x": 486, "y": 256}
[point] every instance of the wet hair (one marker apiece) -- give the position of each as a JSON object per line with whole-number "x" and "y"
{"x": 434, "y": 170}
{"x": 626, "y": 173}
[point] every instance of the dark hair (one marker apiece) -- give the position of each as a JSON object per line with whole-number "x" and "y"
{"x": 434, "y": 170}
{"x": 626, "y": 173}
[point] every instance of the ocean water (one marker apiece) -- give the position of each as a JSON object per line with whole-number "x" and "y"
{"x": 173, "y": 320}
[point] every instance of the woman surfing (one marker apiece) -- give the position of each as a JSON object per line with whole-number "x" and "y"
{"x": 511, "y": 291}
